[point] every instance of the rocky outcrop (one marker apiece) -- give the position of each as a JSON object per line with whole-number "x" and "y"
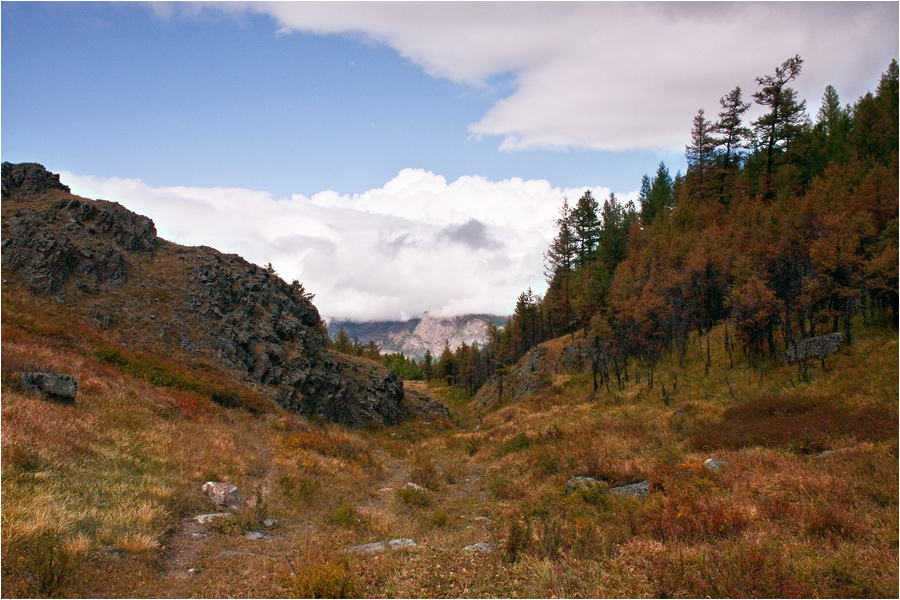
{"x": 79, "y": 240}
{"x": 108, "y": 265}
{"x": 28, "y": 179}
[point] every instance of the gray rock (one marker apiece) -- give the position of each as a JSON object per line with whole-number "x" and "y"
{"x": 413, "y": 486}
{"x": 485, "y": 520}
{"x": 221, "y": 494}
{"x": 374, "y": 547}
{"x": 639, "y": 489}
{"x": 814, "y": 347}
{"x": 54, "y": 386}
{"x": 270, "y": 523}
{"x": 582, "y": 482}
{"x": 210, "y": 517}
{"x": 480, "y": 547}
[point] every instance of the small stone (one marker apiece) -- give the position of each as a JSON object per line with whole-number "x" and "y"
{"x": 221, "y": 494}
{"x": 413, "y": 486}
{"x": 480, "y": 547}
{"x": 254, "y": 535}
{"x": 209, "y": 518}
{"x": 270, "y": 523}
{"x": 485, "y": 520}
{"x": 714, "y": 464}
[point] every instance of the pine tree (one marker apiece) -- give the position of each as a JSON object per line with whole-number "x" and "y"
{"x": 585, "y": 227}
{"x": 659, "y": 196}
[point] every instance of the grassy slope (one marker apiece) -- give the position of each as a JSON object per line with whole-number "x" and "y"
{"x": 106, "y": 487}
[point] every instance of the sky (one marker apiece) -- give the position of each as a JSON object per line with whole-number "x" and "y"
{"x": 401, "y": 157}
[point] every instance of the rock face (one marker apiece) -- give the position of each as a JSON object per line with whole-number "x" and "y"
{"x": 53, "y": 386}
{"x": 814, "y": 347}
{"x": 109, "y": 266}
{"x": 28, "y": 179}
{"x": 85, "y": 241}
{"x": 414, "y": 337}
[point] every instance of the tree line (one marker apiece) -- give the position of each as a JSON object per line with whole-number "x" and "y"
{"x": 782, "y": 228}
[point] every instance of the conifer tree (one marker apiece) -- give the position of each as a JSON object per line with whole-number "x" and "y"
{"x": 659, "y": 196}
{"x": 700, "y": 153}
{"x": 585, "y": 227}
{"x": 782, "y": 124}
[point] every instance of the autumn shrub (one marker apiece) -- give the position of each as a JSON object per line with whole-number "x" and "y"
{"x": 322, "y": 580}
{"x": 424, "y": 473}
{"x": 345, "y": 514}
{"x": 517, "y": 443}
{"x": 415, "y": 497}
{"x": 518, "y": 539}
{"x": 801, "y": 424}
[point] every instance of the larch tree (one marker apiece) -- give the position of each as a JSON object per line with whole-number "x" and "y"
{"x": 700, "y": 153}
{"x": 783, "y": 123}
{"x": 732, "y": 136}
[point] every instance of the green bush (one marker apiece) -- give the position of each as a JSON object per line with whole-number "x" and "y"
{"x": 324, "y": 580}
{"x": 414, "y": 497}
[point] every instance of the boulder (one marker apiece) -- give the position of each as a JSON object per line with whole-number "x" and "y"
{"x": 813, "y": 347}
{"x": 222, "y": 495}
{"x": 53, "y": 386}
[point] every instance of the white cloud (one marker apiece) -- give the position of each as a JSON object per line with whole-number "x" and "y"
{"x": 608, "y": 75}
{"x": 418, "y": 243}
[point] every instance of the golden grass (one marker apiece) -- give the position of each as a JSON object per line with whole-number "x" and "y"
{"x": 97, "y": 496}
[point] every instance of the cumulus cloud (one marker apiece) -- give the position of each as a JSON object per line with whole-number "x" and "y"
{"x": 417, "y": 243}
{"x": 609, "y": 75}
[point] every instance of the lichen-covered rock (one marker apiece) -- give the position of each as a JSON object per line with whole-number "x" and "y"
{"x": 582, "y": 482}
{"x": 815, "y": 347}
{"x": 222, "y": 495}
{"x": 639, "y": 489}
{"x": 54, "y": 386}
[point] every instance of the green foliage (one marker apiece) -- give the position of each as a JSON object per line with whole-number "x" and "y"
{"x": 414, "y": 497}
{"x": 406, "y": 368}
{"x": 162, "y": 373}
{"x": 346, "y": 514}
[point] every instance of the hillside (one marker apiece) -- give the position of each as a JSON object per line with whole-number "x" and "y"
{"x": 194, "y": 306}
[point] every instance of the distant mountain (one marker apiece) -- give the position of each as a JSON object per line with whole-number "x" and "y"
{"x": 415, "y": 336}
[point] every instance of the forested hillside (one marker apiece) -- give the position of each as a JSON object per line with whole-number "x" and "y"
{"x": 782, "y": 228}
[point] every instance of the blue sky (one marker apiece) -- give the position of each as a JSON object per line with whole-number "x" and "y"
{"x": 403, "y": 157}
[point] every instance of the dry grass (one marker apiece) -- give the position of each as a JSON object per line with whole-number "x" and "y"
{"x": 97, "y": 496}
